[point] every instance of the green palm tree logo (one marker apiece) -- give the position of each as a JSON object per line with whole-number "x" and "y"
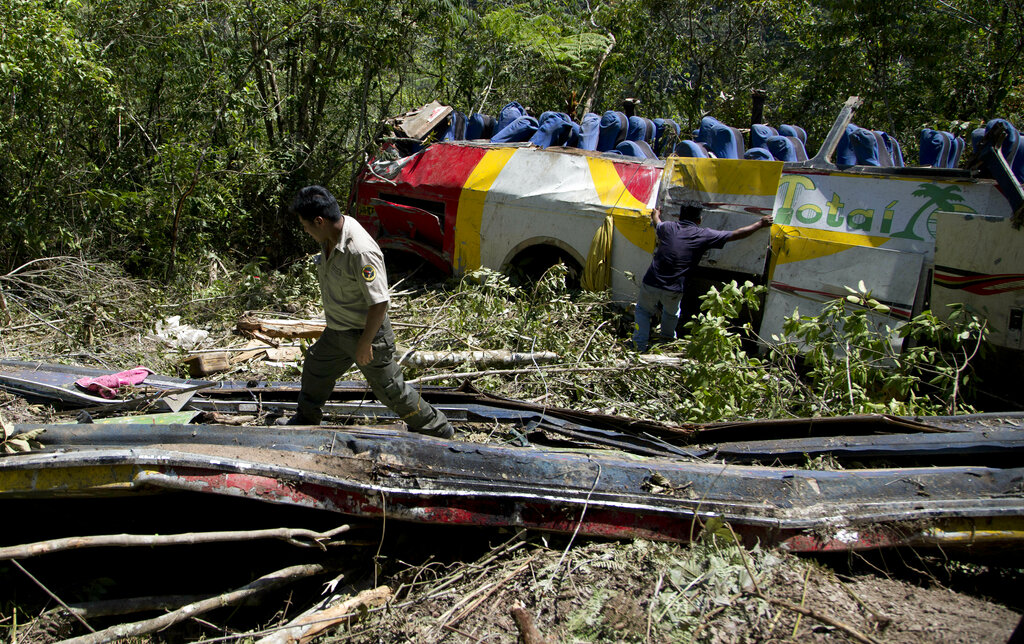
{"x": 938, "y": 199}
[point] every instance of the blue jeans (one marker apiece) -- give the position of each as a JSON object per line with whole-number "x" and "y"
{"x": 647, "y": 306}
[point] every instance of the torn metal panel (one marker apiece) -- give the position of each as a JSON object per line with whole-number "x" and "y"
{"x": 417, "y": 123}
{"x": 363, "y": 410}
{"x": 993, "y": 445}
{"x": 375, "y": 472}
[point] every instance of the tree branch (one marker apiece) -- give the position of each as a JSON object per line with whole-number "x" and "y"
{"x": 263, "y": 584}
{"x": 294, "y": 536}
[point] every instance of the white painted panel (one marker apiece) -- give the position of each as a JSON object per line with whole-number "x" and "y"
{"x": 899, "y": 212}
{"x": 744, "y": 256}
{"x": 781, "y": 304}
{"x": 980, "y": 262}
{"x": 891, "y": 276}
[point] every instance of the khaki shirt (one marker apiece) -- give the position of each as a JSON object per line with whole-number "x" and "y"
{"x": 352, "y": 278}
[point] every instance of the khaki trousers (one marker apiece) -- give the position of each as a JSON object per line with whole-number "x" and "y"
{"x": 334, "y": 353}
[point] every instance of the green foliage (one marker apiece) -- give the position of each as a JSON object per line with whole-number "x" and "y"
{"x": 155, "y": 134}
{"x": 856, "y": 364}
{"x": 839, "y": 362}
{"x": 723, "y": 380}
{"x": 843, "y": 361}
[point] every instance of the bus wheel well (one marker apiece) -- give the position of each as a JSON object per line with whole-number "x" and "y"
{"x": 529, "y": 264}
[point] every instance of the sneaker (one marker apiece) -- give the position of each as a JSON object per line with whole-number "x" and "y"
{"x": 445, "y": 431}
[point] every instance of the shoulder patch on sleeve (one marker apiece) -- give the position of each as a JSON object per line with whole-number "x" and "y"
{"x": 369, "y": 273}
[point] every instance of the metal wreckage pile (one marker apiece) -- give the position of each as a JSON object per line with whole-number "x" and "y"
{"x": 954, "y": 483}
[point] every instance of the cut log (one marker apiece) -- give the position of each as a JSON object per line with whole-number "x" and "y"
{"x": 280, "y": 328}
{"x": 284, "y": 354}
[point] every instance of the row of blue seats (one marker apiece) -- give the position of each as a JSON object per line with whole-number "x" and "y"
{"x": 613, "y": 132}
{"x": 715, "y": 139}
{"x": 635, "y": 136}
{"x": 938, "y": 149}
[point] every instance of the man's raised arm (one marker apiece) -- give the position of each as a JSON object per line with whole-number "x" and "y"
{"x": 747, "y": 231}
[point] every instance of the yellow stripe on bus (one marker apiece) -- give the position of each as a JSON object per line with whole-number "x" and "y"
{"x": 631, "y": 217}
{"x": 726, "y": 176}
{"x": 797, "y": 244}
{"x": 471, "y": 208}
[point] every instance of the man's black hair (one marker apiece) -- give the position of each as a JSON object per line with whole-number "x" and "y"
{"x": 315, "y": 201}
{"x": 690, "y": 213}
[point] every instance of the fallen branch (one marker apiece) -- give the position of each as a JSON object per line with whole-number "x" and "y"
{"x": 217, "y": 418}
{"x": 267, "y": 582}
{"x": 53, "y": 596}
{"x": 497, "y": 357}
{"x": 824, "y": 619}
{"x": 313, "y": 622}
{"x": 294, "y": 536}
{"x": 527, "y": 628}
{"x": 109, "y": 607}
{"x": 281, "y": 328}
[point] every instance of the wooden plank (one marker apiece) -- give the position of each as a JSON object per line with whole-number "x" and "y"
{"x": 206, "y": 363}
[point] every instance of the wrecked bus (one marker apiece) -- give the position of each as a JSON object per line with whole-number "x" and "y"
{"x": 917, "y": 237}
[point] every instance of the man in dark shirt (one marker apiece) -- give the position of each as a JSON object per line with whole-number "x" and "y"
{"x": 681, "y": 245}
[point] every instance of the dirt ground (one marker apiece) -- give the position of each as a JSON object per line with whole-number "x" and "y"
{"x": 651, "y": 592}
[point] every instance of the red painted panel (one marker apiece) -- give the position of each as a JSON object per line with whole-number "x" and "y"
{"x": 438, "y": 173}
{"x": 640, "y": 180}
{"x": 442, "y": 167}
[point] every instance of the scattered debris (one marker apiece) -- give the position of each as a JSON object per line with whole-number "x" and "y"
{"x": 172, "y": 333}
{"x": 319, "y": 619}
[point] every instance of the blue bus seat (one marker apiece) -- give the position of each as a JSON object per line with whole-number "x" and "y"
{"x": 612, "y": 130}
{"x": 554, "y": 128}
{"x": 724, "y": 142}
{"x": 480, "y": 126}
{"x": 844, "y": 149}
{"x": 640, "y": 129}
{"x": 1011, "y": 148}
{"x": 794, "y": 130}
{"x": 456, "y": 127}
{"x": 758, "y": 154}
{"x": 518, "y": 131}
{"x": 935, "y": 148}
{"x": 759, "y": 133}
{"x": 638, "y": 149}
{"x": 786, "y": 148}
{"x": 956, "y": 151}
{"x": 690, "y": 148}
{"x": 508, "y": 114}
{"x": 590, "y": 129}
{"x": 894, "y": 149}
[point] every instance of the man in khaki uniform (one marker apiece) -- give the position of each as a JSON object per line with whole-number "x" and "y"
{"x": 354, "y": 288}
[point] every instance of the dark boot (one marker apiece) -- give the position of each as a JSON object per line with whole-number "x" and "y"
{"x": 297, "y": 419}
{"x": 444, "y": 431}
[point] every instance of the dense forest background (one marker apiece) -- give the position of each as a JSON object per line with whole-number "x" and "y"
{"x": 159, "y": 132}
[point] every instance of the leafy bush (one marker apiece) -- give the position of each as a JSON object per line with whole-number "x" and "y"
{"x": 855, "y": 363}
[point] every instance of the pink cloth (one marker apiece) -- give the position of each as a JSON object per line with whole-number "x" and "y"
{"x": 107, "y": 386}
